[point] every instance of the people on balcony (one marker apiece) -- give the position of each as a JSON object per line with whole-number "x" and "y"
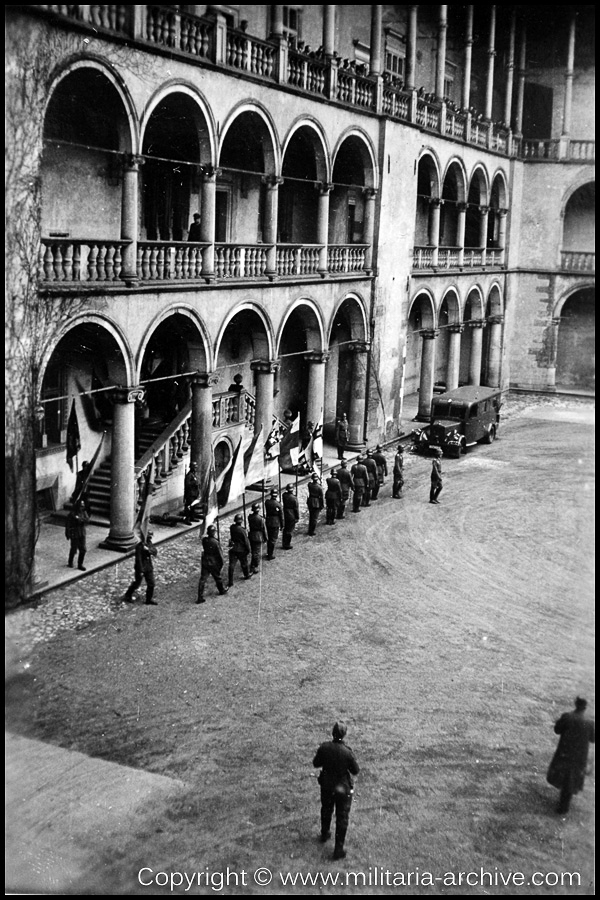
{"x": 195, "y": 231}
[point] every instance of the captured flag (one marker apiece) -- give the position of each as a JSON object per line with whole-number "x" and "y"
{"x": 254, "y": 459}
{"x": 317, "y": 438}
{"x": 140, "y": 529}
{"x": 273, "y": 442}
{"x": 231, "y": 482}
{"x": 83, "y": 483}
{"x": 290, "y": 446}
{"x": 73, "y": 440}
{"x": 209, "y": 498}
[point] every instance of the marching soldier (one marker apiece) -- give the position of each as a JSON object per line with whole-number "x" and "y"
{"x": 398, "y": 473}
{"x": 314, "y": 502}
{"x": 239, "y": 548}
{"x": 333, "y": 497}
{"x": 382, "y": 470}
{"x": 372, "y": 483}
{"x": 338, "y": 764}
{"x": 191, "y": 494}
{"x": 257, "y": 534}
{"x": 274, "y": 521}
{"x": 360, "y": 477}
{"x": 436, "y": 476}
{"x": 347, "y": 485}
{"x": 290, "y": 516}
{"x": 145, "y": 552}
{"x": 212, "y": 563}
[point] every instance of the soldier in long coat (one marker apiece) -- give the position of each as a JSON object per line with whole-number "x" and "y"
{"x": 212, "y": 563}
{"x": 75, "y": 531}
{"x": 315, "y": 503}
{"x": 398, "y": 473}
{"x": 360, "y": 477}
{"x": 382, "y": 470}
{"x": 372, "y": 482}
{"x": 568, "y": 767}
{"x": 333, "y": 497}
{"x": 338, "y": 766}
{"x": 347, "y": 484}
{"x": 145, "y": 552}
{"x": 239, "y": 548}
{"x": 274, "y": 522}
{"x": 257, "y": 535}
{"x": 290, "y": 516}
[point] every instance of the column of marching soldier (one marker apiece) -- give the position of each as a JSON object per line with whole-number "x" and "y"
{"x": 363, "y": 479}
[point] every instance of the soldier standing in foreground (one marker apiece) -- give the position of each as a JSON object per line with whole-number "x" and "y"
{"x": 398, "y": 473}
{"x": 360, "y": 477}
{"x": 436, "y": 476}
{"x": 333, "y": 497}
{"x": 257, "y": 534}
{"x": 145, "y": 552}
{"x": 239, "y": 548}
{"x": 338, "y": 765}
{"x": 274, "y": 521}
{"x": 315, "y": 503}
{"x": 568, "y": 767}
{"x": 290, "y": 516}
{"x": 346, "y": 484}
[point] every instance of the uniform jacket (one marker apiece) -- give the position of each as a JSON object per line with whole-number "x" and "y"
{"x": 191, "y": 488}
{"x": 76, "y": 522}
{"x": 338, "y": 765}
{"x": 315, "y": 496}
{"x": 371, "y": 467}
{"x": 239, "y": 542}
{"x": 360, "y": 476}
{"x": 144, "y": 553}
{"x": 290, "y": 509}
{"x": 436, "y": 471}
{"x": 341, "y": 432}
{"x": 570, "y": 759}
{"x": 399, "y": 464}
{"x": 256, "y": 529}
{"x": 212, "y": 555}
{"x": 274, "y": 513}
{"x": 346, "y": 482}
{"x": 334, "y": 490}
{"x": 381, "y": 463}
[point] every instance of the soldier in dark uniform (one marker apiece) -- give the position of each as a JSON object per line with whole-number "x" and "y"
{"x": 398, "y": 473}
{"x": 212, "y": 563}
{"x": 257, "y": 534}
{"x": 145, "y": 552}
{"x": 372, "y": 483}
{"x": 382, "y": 470}
{"x": 191, "y": 494}
{"x": 333, "y": 497}
{"x": 342, "y": 431}
{"x": 239, "y": 548}
{"x": 360, "y": 477}
{"x": 436, "y": 476}
{"x": 75, "y": 531}
{"x": 314, "y": 502}
{"x": 274, "y": 521}
{"x": 338, "y": 764}
{"x": 568, "y": 767}
{"x": 79, "y": 493}
{"x": 346, "y": 485}
{"x": 290, "y": 516}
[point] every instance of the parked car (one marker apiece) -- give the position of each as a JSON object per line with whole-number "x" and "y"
{"x": 459, "y": 419}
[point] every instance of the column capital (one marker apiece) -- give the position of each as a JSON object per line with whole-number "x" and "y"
{"x": 369, "y": 193}
{"x": 205, "y": 379}
{"x": 265, "y": 366}
{"x": 209, "y": 173}
{"x": 461, "y": 207}
{"x": 360, "y": 347}
{"x": 324, "y": 187}
{"x": 502, "y": 211}
{"x": 495, "y": 320}
{"x": 429, "y": 334}
{"x": 133, "y": 161}
{"x": 475, "y": 323}
{"x": 456, "y": 329}
{"x": 124, "y": 395}
{"x": 272, "y": 181}
{"x": 436, "y": 202}
{"x": 555, "y": 321}
{"x": 484, "y": 210}
{"x": 317, "y": 356}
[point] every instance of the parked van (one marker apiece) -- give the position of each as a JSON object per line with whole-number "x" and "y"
{"x": 459, "y": 419}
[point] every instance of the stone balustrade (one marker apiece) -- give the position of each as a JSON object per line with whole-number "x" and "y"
{"x": 250, "y": 54}
{"x": 298, "y": 259}
{"x": 66, "y": 260}
{"x": 346, "y": 258}
{"x": 578, "y": 261}
{"x": 240, "y": 261}
{"x": 166, "y": 261}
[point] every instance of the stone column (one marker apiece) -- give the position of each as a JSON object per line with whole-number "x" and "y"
{"x": 476, "y": 347}
{"x": 375, "y": 60}
{"x": 129, "y": 217}
{"x": 358, "y": 396}
{"x": 208, "y": 218}
{"x": 411, "y": 49}
{"x": 510, "y": 70}
{"x": 489, "y": 95}
{"x": 483, "y": 228}
{"x": 276, "y": 20}
{"x": 427, "y": 374}
{"x": 123, "y": 484}
{"x": 323, "y": 226}
{"x": 315, "y": 402}
{"x": 434, "y": 227}
{"x": 270, "y": 222}
{"x": 369, "y": 229}
{"x": 441, "y": 53}
{"x": 453, "y": 368}
{"x": 328, "y": 30}
{"x": 566, "y": 129}
{"x": 521, "y": 82}
{"x": 461, "y": 222}
{"x": 502, "y": 218}
{"x": 466, "y": 91}
{"x": 202, "y": 419}
{"x": 553, "y": 331}
{"x": 494, "y": 360}
{"x": 281, "y": 42}
{"x": 265, "y": 383}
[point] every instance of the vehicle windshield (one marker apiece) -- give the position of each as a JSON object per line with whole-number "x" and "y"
{"x": 449, "y": 409}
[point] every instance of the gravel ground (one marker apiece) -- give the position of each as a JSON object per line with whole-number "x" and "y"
{"x": 448, "y": 637}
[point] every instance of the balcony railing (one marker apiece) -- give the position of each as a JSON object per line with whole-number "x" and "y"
{"x": 169, "y": 261}
{"x": 208, "y": 38}
{"x": 448, "y": 257}
{"x": 472, "y": 258}
{"x": 578, "y": 261}
{"x": 240, "y": 261}
{"x": 81, "y": 260}
{"x": 423, "y": 257}
{"x": 346, "y": 258}
{"x": 298, "y": 259}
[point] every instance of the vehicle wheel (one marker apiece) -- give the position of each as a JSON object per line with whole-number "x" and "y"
{"x": 489, "y": 438}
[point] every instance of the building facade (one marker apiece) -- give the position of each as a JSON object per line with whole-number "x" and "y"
{"x": 384, "y": 199}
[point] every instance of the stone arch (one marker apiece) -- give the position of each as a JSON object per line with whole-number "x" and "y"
{"x": 367, "y": 152}
{"x": 317, "y": 139}
{"x": 300, "y": 347}
{"x": 471, "y": 342}
{"x": 187, "y": 312}
{"x": 477, "y": 201}
{"x": 207, "y": 138}
{"x": 575, "y": 343}
{"x": 453, "y": 198}
{"x": 256, "y": 109}
{"x": 345, "y": 388}
{"x": 428, "y": 193}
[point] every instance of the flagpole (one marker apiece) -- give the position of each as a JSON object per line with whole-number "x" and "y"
{"x": 280, "y": 482}
{"x": 244, "y": 508}
{"x": 218, "y": 529}
{"x": 263, "y": 497}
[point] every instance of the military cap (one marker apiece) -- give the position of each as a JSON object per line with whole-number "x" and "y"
{"x": 290, "y": 487}
{"x": 211, "y": 529}
{"x": 378, "y": 447}
{"x": 273, "y": 492}
{"x": 314, "y": 476}
{"x": 343, "y": 463}
{"x": 339, "y": 731}
{"x": 255, "y": 507}
{"x": 237, "y": 519}
{"x": 400, "y": 449}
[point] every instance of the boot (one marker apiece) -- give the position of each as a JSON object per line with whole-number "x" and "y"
{"x": 339, "y": 852}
